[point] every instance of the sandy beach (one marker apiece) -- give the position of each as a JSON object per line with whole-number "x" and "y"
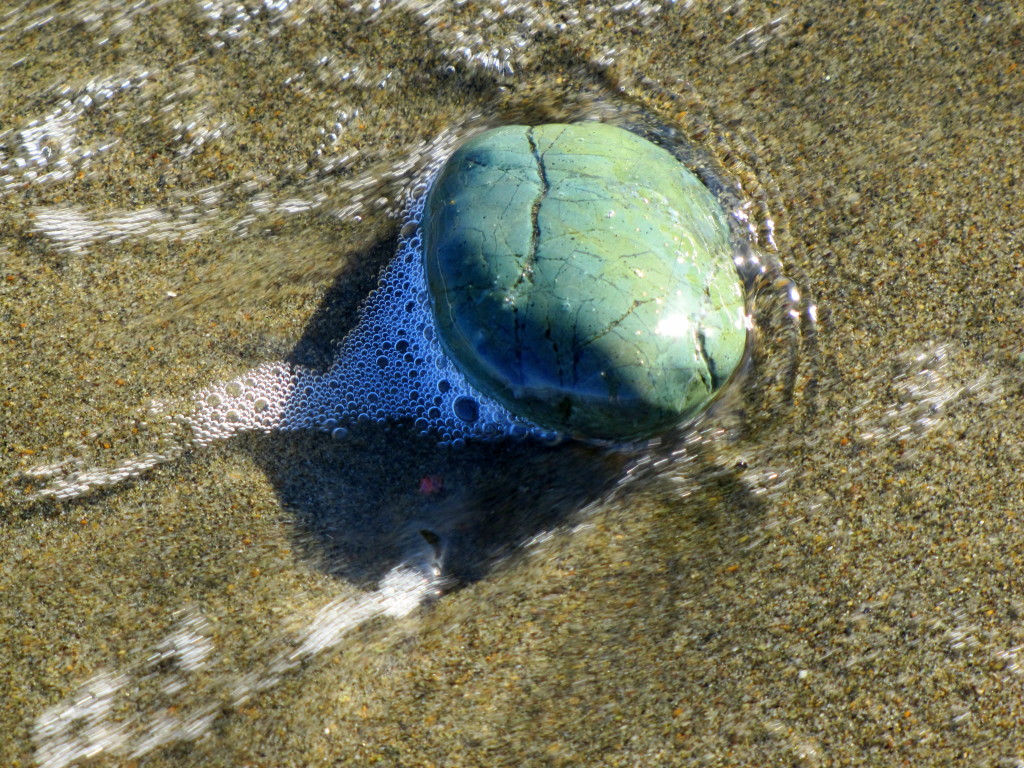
{"x": 190, "y": 190}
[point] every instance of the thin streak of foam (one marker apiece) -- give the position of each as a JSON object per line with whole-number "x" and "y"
{"x": 72, "y": 229}
{"x": 90, "y": 723}
{"x": 924, "y": 386}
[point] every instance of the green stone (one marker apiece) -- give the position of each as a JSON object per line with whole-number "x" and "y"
{"x": 583, "y": 277}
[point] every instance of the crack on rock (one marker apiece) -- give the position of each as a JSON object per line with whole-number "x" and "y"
{"x": 545, "y": 186}
{"x": 613, "y": 324}
{"x": 709, "y": 362}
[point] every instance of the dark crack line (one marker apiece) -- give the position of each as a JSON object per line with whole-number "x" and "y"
{"x": 708, "y": 361}
{"x": 612, "y": 325}
{"x": 531, "y": 257}
{"x": 545, "y": 187}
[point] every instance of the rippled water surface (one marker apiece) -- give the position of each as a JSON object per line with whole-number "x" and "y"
{"x": 824, "y": 571}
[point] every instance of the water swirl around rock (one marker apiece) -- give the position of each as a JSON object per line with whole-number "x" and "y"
{"x": 395, "y": 367}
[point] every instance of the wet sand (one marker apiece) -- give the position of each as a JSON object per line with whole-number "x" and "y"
{"x": 842, "y": 586}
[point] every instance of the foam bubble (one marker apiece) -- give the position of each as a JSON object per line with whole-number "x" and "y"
{"x": 390, "y": 368}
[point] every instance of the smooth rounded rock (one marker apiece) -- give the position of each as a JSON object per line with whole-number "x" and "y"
{"x": 583, "y": 277}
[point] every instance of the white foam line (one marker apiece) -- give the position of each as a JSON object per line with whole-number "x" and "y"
{"x": 90, "y": 722}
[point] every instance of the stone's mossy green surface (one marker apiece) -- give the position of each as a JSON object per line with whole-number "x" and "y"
{"x": 584, "y": 278}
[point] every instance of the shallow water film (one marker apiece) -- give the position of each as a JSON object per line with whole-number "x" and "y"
{"x": 824, "y": 570}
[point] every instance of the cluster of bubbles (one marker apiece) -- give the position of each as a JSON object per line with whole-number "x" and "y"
{"x": 390, "y": 368}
